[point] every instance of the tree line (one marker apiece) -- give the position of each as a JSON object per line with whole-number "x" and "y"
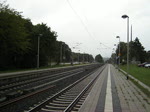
{"x": 19, "y": 43}
{"x": 137, "y": 53}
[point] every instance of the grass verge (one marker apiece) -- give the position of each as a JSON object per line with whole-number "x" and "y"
{"x": 140, "y": 73}
{"x": 141, "y": 88}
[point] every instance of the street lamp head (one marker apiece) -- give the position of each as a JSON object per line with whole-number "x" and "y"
{"x": 125, "y": 16}
{"x": 117, "y": 37}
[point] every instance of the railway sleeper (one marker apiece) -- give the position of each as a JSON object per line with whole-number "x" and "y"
{"x": 76, "y": 108}
{"x": 68, "y": 96}
{"x": 72, "y": 91}
{"x": 2, "y": 98}
{"x": 80, "y": 102}
{"x": 57, "y": 104}
{"x": 83, "y": 98}
{"x": 66, "y": 100}
{"x": 48, "y": 110}
{"x": 71, "y": 94}
{"x": 55, "y": 108}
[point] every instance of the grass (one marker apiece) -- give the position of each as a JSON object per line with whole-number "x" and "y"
{"x": 143, "y": 89}
{"x": 140, "y": 73}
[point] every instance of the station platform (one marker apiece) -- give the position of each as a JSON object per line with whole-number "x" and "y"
{"x": 112, "y": 92}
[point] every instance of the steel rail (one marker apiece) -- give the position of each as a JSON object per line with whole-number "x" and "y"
{"x": 39, "y": 86}
{"x": 32, "y": 72}
{"x": 36, "y": 79}
{"x": 70, "y": 107}
{"x": 41, "y": 91}
{"x": 12, "y": 79}
{"x": 38, "y": 107}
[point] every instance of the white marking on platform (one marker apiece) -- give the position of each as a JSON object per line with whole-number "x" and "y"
{"x": 108, "y": 100}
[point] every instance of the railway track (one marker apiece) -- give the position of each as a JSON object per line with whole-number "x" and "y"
{"x": 70, "y": 98}
{"x": 37, "y": 81}
{"x": 7, "y": 79}
{"x": 31, "y": 85}
{"x": 43, "y": 91}
{"x": 22, "y": 87}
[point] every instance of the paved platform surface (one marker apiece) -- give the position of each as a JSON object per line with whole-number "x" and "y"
{"x": 113, "y": 93}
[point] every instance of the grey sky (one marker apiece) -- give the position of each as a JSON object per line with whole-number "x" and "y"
{"x": 101, "y": 17}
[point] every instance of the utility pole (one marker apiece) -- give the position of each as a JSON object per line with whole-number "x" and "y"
{"x": 124, "y": 17}
{"x": 38, "y": 50}
{"x": 61, "y": 53}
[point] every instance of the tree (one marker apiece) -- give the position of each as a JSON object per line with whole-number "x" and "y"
{"x": 99, "y": 58}
{"x": 47, "y": 43}
{"x": 148, "y": 56}
{"x": 137, "y": 51}
{"x": 13, "y": 37}
{"x": 123, "y": 51}
{"x": 19, "y": 42}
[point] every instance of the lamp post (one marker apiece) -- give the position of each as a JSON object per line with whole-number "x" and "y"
{"x": 124, "y": 17}
{"x": 115, "y": 56}
{"x": 79, "y": 57}
{"x": 71, "y": 57}
{"x": 119, "y": 51}
{"x": 64, "y": 57}
{"x": 61, "y": 54}
{"x": 38, "y": 50}
{"x": 83, "y": 58}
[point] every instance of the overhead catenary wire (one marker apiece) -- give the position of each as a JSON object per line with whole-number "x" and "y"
{"x": 105, "y": 45}
{"x": 85, "y": 27}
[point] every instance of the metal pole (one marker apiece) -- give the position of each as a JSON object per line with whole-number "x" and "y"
{"x": 83, "y": 57}
{"x": 119, "y": 52}
{"x": 78, "y": 57}
{"x": 38, "y": 52}
{"x": 131, "y": 33}
{"x": 127, "y": 47}
{"x": 125, "y": 16}
{"x": 71, "y": 58}
{"x": 64, "y": 58}
{"x": 60, "y": 53}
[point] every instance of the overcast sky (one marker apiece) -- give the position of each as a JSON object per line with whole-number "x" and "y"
{"x": 93, "y": 23}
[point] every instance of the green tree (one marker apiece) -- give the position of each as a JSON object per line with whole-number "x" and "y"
{"x": 123, "y": 52}
{"x": 137, "y": 51}
{"x": 99, "y": 58}
{"x": 47, "y": 43}
{"x": 148, "y": 56}
{"x": 13, "y": 37}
